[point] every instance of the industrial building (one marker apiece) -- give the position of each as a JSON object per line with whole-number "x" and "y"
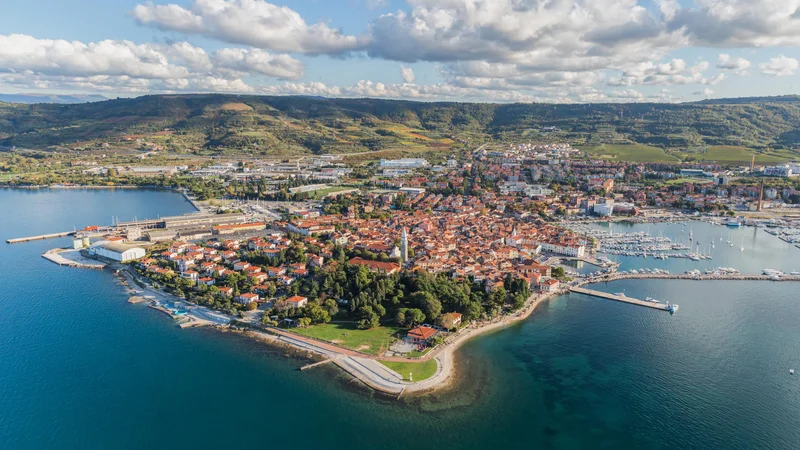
{"x": 118, "y": 252}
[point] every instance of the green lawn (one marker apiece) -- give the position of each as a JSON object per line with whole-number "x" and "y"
{"x": 318, "y": 194}
{"x": 373, "y": 341}
{"x": 735, "y": 154}
{"x": 419, "y": 370}
{"x": 629, "y": 152}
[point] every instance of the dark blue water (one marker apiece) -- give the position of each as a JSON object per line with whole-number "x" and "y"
{"x": 81, "y": 368}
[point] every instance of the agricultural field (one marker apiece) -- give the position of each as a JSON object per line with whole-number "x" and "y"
{"x": 739, "y": 155}
{"x": 628, "y": 152}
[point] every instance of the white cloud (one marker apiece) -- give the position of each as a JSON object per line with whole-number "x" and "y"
{"x": 705, "y": 92}
{"x": 22, "y": 52}
{"x": 249, "y": 22}
{"x": 674, "y": 72}
{"x": 259, "y": 62}
{"x": 780, "y": 66}
{"x": 739, "y": 23}
{"x": 739, "y": 65}
{"x": 408, "y": 74}
{"x": 375, "y": 4}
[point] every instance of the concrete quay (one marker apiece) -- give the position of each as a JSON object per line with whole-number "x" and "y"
{"x": 40, "y": 237}
{"x": 620, "y": 298}
{"x": 686, "y": 276}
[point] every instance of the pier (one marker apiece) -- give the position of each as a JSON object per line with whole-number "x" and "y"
{"x": 40, "y": 237}
{"x": 619, "y": 298}
{"x": 312, "y": 365}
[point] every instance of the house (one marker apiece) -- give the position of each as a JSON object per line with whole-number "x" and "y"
{"x": 240, "y": 265}
{"x": 226, "y": 291}
{"x": 451, "y": 320}
{"x": 550, "y": 285}
{"x": 208, "y": 281}
{"x": 376, "y": 266}
{"x": 190, "y": 274}
{"x": 421, "y": 335}
{"x": 296, "y": 301}
{"x": 262, "y": 289}
{"x": 247, "y": 298}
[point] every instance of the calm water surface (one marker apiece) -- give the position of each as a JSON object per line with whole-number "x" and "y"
{"x": 81, "y": 368}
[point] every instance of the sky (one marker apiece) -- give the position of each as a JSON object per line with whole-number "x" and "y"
{"x": 563, "y": 51}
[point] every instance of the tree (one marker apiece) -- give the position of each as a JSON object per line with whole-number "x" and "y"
{"x": 252, "y": 306}
{"x": 557, "y": 272}
{"x": 317, "y": 314}
{"x": 303, "y": 322}
{"x": 400, "y": 317}
{"x": 369, "y": 319}
{"x": 429, "y": 304}
{"x": 498, "y": 296}
{"x": 414, "y": 316}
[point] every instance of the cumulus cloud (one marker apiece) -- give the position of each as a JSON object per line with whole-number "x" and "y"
{"x": 122, "y": 66}
{"x": 780, "y": 66}
{"x": 705, "y": 92}
{"x": 738, "y": 23}
{"x": 249, "y": 22}
{"x": 408, "y": 74}
{"x": 674, "y": 72}
{"x": 256, "y": 61}
{"x": 22, "y": 52}
{"x": 725, "y": 62}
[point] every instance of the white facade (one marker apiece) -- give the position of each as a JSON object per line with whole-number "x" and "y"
{"x": 119, "y": 253}
{"x": 778, "y": 171}
{"x": 576, "y": 251}
{"x": 405, "y": 163}
{"x": 604, "y": 209}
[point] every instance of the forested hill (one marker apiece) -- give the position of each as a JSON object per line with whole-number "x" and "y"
{"x": 296, "y": 125}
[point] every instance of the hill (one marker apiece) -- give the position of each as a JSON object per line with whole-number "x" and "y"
{"x": 289, "y": 125}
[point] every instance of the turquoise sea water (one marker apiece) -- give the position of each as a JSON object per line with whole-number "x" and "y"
{"x": 81, "y": 368}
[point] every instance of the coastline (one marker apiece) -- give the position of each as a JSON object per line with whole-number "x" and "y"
{"x": 364, "y": 368}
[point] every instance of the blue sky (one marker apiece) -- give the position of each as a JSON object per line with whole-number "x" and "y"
{"x": 472, "y": 50}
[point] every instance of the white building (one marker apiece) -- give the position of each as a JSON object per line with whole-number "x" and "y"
{"x": 778, "y": 171}
{"x": 118, "y": 252}
{"x": 576, "y": 251}
{"x": 405, "y": 163}
{"x": 604, "y": 209}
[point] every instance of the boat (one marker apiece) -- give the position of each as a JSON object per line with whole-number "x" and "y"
{"x": 672, "y": 308}
{"x": 619, "y": 294}
{"x": 795, "y": 273}
{"x": 791, "y": 371}
{"x": 733, "y": 223}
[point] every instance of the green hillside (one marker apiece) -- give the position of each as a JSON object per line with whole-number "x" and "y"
{"x": 213, "y": 124}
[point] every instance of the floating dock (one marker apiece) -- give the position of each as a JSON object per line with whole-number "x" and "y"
{"x": 619, "y": 298}
{"x": 40, "y": 237}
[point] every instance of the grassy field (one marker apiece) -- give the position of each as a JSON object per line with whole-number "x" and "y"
{"x": 737, "y": 155}
{"x": 418, "y": 370}
{"x": 372, "y": 342}
{"x": 331, "y": 190}
{"x": 629, "y": 152}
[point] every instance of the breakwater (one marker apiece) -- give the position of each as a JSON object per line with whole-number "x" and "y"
{"x": 686, "y": 276}
{"x": 40, "y": 237}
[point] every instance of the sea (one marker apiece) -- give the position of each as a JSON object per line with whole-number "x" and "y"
{"x": 80, "y": 368}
